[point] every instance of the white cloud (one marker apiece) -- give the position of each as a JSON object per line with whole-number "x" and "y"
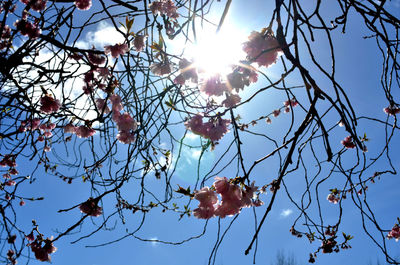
{"x": 105, "y": 34}
{"x": 286, "y": 212}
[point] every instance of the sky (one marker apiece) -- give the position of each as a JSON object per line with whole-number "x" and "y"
{"x": 358, "y": 68}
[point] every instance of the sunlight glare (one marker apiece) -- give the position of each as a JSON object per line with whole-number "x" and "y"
{"x": 215, "y": 53}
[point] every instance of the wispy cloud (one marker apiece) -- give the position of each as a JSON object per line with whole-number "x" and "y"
{"x": 286, "y": 212}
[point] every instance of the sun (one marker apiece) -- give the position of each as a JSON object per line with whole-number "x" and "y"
{"x": 216, "y": 53}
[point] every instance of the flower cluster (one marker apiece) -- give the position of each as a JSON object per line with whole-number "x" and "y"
{"x": 348, "y": 142}
{"x": 214, "y": 129}
{"x": 391, "y": 110}
{"x": 9, "y": 160}
{"x": 139, "y": 42}
{"x": 126, "y": 124}
{"x": 5, "y": 36}
{"x": 37, "y": 5}
{"x": 28, "y": 29}
{"x": 91, "y": 208}
{"x": 233, "y": 199}
{"x": 187, "y": 72}
{"x": 164, "y": 7}
{"x": 41, "y": 248}
{"x": 116, "y": 50}
{"x": 49, "y": 104}
{"x": 214, "y": 86}
{"x": 161, "y": 68}
{"x": 83, "y": 4}
{"x": 394, "y": 233}
{"x": 262, "y": 48}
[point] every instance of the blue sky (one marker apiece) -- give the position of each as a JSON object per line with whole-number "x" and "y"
{"x": 358, "y": 69}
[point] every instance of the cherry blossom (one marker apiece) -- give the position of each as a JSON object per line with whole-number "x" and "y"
{"x": 164, "y": 7}
{"x": 333, "y": 198}
{"x": 394, "y": 233}
{"x": 214, "y": 129}
{"x": 139, "y": 42}
{"x": 125, "y": 122}
{"x": 91, "y": 208}
{"x": 84, "y": 131}
{"x": 28, "y": 29}
{"x": 83, "y": 4}
{"x": 161, "y": 68}
{"x": 231, "y": 100}
{"x": 96, "y": 59}
{"x": 391, "y": 110}
{"x": 101, "y": 105}
{"x": 116, "y": 50}
{"x": 214, "y": 87}
{"x": 262, "y": 48}
{"x": 42, "y": 253}
{"x": 348, "y": 142}
{"x": 69, "y": 128}
{"x": 207, "y": 199}
{"x": 126, "y": 137}
{"x": 49, "y": 104}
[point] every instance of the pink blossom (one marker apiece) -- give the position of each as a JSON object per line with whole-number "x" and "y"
{"x": 13, "y": 171}
{"x": 207, "y": 199}
{"x": 116, "y": 50}
{"x": 348, "y": 142}
{"x": 83, "y": 4}
{"x": 69, "y": 128}
{"x": 231, "y": 201}
{"x": 391, "y": 110}
{"x": 268, "y": 120}
{"x": 394, "y": 233}
{"x": 40, "y": 138}
{"x": 8, "y": 160}
{"x": 333, "y": 198}
{"x": 48, "y": 134}
{"x": 164, "y": 7}
{"x": 276, "y": 113}
{"x": 101, "y": 105}
{"x": 96, "y": 59}
{"x": 248, "y": 194}
{"x": 213, "y": 129}
{"x": 22, "y": 203}
{"x": 30, "y": 237}
{"x": 84, "y": 131}
{"x": 42, "y": 253}
{"x": 216, "y": 130}
{"x": 195, "y": 124}
{"x": 38, "y": 5}
{"x": 188, "y": 72}
{"x": 291, "y": 102}
{"x": 10, "y": 183}
{"x": 116, "y": 102}
{"x": 160, "y": 69}
{"x": 28, "y": 29}
{"x": 126, "y": 137}
{"x": 236, "y": 80}
{"x": 231, "y": 100}
{"x": 47, "y": 148}
{"x": 179, "y": 80}
{"x": 214, "y": 87}
{"x": 262, "y": 48}
{"x": 125, "y": 122}
{"x": 49, "y": 104}
{"x": 139, "y": 42}
{"x": 91, "y": 208}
